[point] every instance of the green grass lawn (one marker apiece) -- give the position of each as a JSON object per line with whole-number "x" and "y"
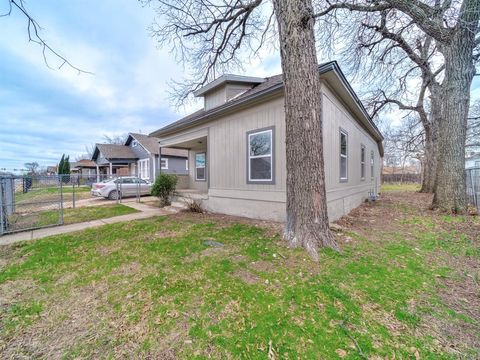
{"x": 89, "y": 213}
{"x": 154, "y": 289}
{"x": 70, "y": 215}
{"x": 52, "y": 193}
{"x": 400, "y": 187}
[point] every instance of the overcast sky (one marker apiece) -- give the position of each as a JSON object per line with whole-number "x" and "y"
{"x": 45, "y": 113}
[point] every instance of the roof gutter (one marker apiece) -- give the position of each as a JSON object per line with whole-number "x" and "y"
{"x": 168, "y": 130}
{"x": 324, "y": 68}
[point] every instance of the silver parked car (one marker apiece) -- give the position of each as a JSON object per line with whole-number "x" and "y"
{"x": 124, "y": 186}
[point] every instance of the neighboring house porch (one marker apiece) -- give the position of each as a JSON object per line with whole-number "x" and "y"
{"x": 139, "y": 156}
{"x": 113, "y": 160}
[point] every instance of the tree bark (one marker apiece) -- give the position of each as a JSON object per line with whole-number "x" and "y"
{"x": 431, "y": 149}
{"x": 307, "y": 219}
{"x": 450, "y": 192}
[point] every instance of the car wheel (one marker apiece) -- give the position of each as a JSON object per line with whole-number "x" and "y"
{"x": 113, "y": 195}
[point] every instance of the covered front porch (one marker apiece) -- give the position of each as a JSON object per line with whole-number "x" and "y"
{"x": 112, "y": 168}
{"x": 196, "y": 183}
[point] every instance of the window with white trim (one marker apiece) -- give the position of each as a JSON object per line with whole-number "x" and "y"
{"x": 200, "y": 167}
{"x": 362, "y": 162}
{"x": 343, "y": 156}
{"x": 144, "y": 169}
{"x": 164, "y": 164}
{"x": 260, "y": 156}
{"x": 372, "y": 164}
{"x": 134, "y": 143}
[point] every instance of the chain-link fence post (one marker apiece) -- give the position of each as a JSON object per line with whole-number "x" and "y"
{"x": 2, "y": 206}
{"x": 61, "y": 199}
{"x": 73, "y": 194}
{"x": 474, "y": 190}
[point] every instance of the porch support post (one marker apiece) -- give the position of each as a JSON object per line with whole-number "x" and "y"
{"x": 98, "y": 173}
{"x": 111, "y": 169}
{"x": 154, "y": 160}
{"x": 160, "y": 160}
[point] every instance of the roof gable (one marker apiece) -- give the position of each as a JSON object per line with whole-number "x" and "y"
{"x": 113, "y": 151}
{"x": 150, "y": 144}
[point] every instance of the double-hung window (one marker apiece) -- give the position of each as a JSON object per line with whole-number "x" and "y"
{"x": 343, "y": 155}
{"x": 372, "y": 164}
{"x": 200, "y": 167}
{"x": 164, "y": 163}
{"x": 260, "y": 161}
{"x": 362, "y": 162}
{"x": 143, "y": 169}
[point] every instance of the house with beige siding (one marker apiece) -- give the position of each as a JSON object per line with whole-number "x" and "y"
{"x": 236, "y": 146}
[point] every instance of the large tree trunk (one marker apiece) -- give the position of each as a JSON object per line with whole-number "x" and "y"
{"x": 307, "y": 219}
{"x": 450, "y": 192}
{"x": 428, "y": 178}
{"x": 430, "y": 158}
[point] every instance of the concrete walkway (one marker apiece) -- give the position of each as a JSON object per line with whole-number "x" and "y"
{"x": 145, "y": 211}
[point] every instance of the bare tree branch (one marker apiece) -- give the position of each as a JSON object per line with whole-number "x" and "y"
{"x": 33, "y": 30}
{"x": 212, "y": 37}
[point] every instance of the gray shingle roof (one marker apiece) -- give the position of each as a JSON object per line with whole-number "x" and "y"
{"x": 84, "y": 163}
{"x": 111, "y": 151}
{"x": 150, "y": 143}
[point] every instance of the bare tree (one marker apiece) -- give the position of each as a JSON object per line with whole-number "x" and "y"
{"x": 115, "y": 139}
{"x": 32, "y": 167}
{"x": 405, "y": 144}
{"x": 212, "y": 38}
{"x": 454, "y": 27}
{"x": 400, "y": 63}
{"x": 34, "y": 36}
{"x": 473, "y": 128}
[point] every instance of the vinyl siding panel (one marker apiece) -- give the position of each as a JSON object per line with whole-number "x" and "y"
{"x": 336, "y": 116}
{"x": 227, "y": 186}
{"x": 215, "y": 97}
{"x": 228, "y": 147}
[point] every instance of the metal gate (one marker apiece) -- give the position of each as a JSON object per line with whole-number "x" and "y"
{"x": 28, "y": 203}
{"x": 473, "y": 187}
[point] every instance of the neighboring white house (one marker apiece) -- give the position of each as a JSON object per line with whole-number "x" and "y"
{"x": 236, "y": 146}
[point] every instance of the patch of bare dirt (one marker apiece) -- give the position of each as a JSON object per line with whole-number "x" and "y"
{"x": 128, "y": 269}
{"x": 72, "y": 320}
{"x": 11, "y": 291}
{"x": 264, "y": 266}
{"x": 246, "y": 276}
{"x": 210, "y": 252}
{"x": 238, "y": 258}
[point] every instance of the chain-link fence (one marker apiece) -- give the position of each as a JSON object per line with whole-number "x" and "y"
{"x": 473, "y": 187}
{"x": 33, "y": 202}
{"x": 401, "y": 178}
